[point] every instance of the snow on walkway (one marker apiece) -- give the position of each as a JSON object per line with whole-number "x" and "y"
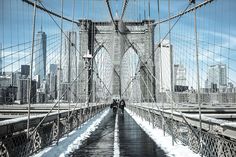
{"x": 116, "y": 138}
{"x": 72, "y": 142}
{"x": 164, "y": 142}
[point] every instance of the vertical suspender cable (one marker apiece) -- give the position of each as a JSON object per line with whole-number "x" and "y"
{"x": 160, "y": 63}
{"x": 229, "y": 43}
{"x": 83, "y": 9}
{"x": 59, "y": 77}
{"x": 3, "y": 38}
{"x": 149, "y": 12}
{"x": 149, "y": 35}
{"x": 198, "y": 85}
{"x": 11, "y": 48}
{"x": 93, "y": 87}
{"x": 31, "y": 67}
{"x": 139, "y": 18}
{"x": 17, "y": 37}
{"x": 72, "y": 35}
{"x": 171, "y": 72}
{"x": 144, "y": 13}
{"x": 68, "y": 94}
{"x": 90, "y": 90}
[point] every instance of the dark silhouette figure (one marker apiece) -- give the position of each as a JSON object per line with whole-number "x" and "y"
{"x": 114, "y": 106}
{"x": 122, "y": 105}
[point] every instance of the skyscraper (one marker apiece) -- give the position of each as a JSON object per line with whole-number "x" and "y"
{"x": 40, "y": 55}
{"x": 22, "y": 90}
{"x": 53, "y": 81}
{"x": 217, "y": 76}
{"x": 179, "y": 78}
{"x": 25, "y": 70}
{"x": 69, "y": 63}
{"x": 165, "y": 65}
{"x": 179, "y": 75}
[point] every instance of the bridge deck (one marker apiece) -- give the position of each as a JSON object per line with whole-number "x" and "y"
{"x": 133, "y": 141}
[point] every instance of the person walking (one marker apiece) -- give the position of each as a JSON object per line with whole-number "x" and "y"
{"x": 114, "y": 106}
{"x": 122, "y": 106}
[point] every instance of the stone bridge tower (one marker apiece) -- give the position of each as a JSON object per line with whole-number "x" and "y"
{"x": 117, "y": 40}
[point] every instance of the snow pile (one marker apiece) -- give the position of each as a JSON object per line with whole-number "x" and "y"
{"x": 72, "y": 142}
{"x": 165, "y": 142}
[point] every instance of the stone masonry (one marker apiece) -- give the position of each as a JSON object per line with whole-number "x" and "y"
{"x": 117, "y": 40}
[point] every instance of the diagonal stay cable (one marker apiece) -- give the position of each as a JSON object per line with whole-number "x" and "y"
{"x": 68, "y": 37}
{"x": 50, "y": 12}
{"x": 110, "y": 12}
{"x": 162, "y": 115}
{"x": 171, "y": 28}
{"x": 70, "y": 85}
{"x": 25, "y": 43}
{"x": 125, "y": 3}
{"x": 161, "y": 40}
{"x": 90, "y": 94}
{"x": 77, "y": 102}
{"x": 183, "y": 12}
{"x": 62, "y": 30}
{"x": 144, "y": 63}
{"x": 154, "y": 51}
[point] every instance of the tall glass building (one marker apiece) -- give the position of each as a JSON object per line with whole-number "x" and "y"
{"x": 40, "y": 56}
{"x": 165, "y": 65}
{"x": 217, "y": 74}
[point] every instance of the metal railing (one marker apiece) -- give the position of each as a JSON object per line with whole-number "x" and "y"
{"x": 218, "y": 136}
{"x": 13, "y": 132}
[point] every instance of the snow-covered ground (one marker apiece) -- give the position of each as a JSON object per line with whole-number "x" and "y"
{"x": 73, "y": 141}
{"x": 165, "y": 142}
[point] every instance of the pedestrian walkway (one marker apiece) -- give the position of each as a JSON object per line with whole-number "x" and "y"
{"x": 133, "y": 141}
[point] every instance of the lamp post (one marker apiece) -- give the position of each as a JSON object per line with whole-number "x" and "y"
{"x": 87, "y": 57}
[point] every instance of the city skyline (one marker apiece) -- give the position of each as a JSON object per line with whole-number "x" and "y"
{"x": 214, "y": 35}
{"x": 177, "y": 56}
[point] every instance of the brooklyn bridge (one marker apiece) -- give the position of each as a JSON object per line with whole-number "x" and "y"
{"x": 69, "y": 67}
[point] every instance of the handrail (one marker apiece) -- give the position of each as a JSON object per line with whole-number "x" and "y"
{"x": 19, "y": 124}
{"x": 221, "y": 127}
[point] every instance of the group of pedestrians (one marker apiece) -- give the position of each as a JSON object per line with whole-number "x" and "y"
{"x": 116, "y": 104}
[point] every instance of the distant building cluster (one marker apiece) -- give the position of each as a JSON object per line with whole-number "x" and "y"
{"x": 172, "y": 77}
{"x": 192, "y": 98}
{"x": 216, "y": 78}
{"x": 14, "y": 86}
